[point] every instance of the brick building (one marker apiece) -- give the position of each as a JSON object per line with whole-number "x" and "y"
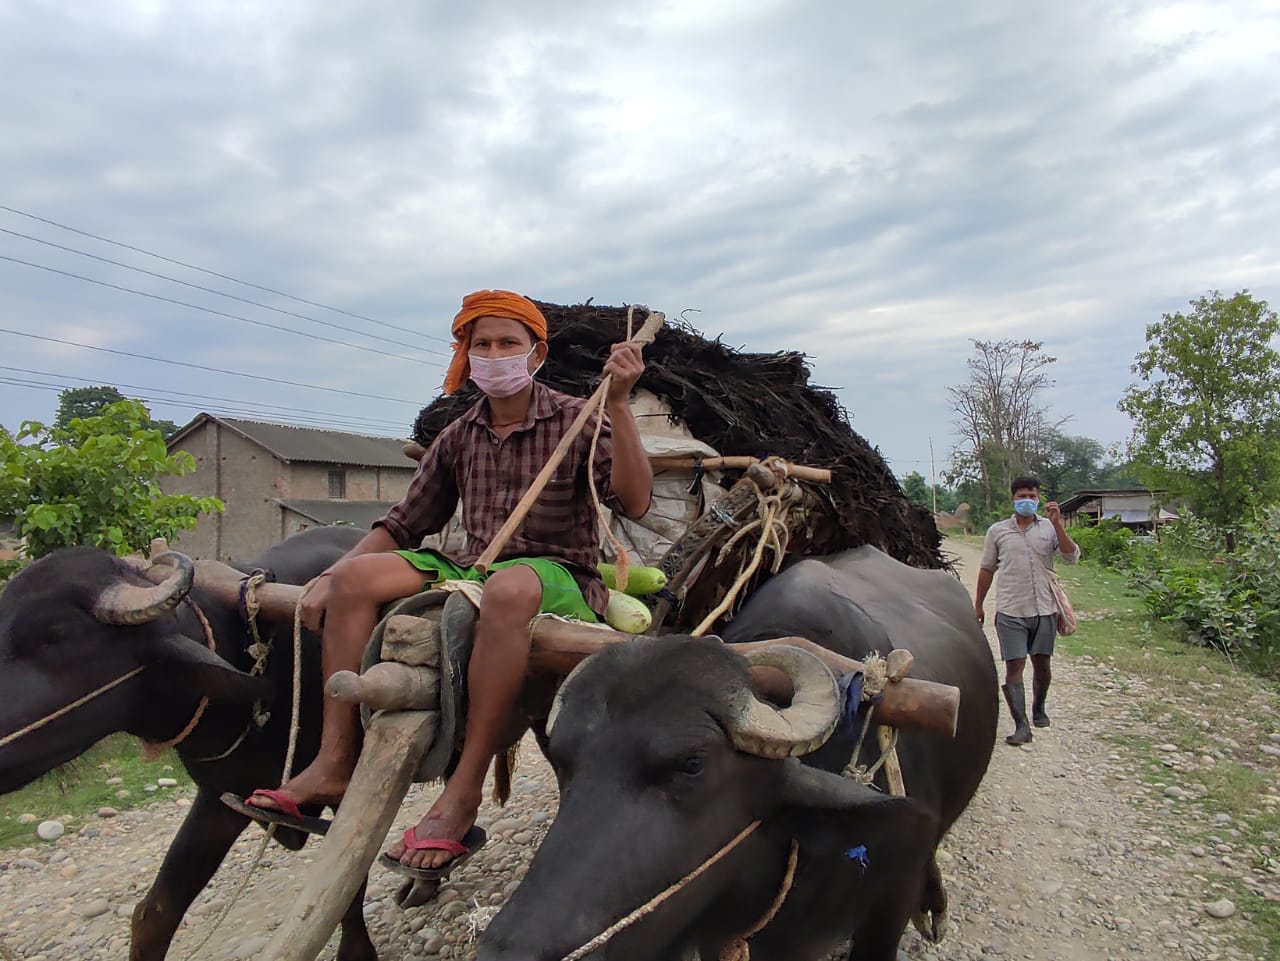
{"x": 277, "y": 480}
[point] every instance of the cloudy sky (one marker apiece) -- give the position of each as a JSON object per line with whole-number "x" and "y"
{"x": 872, "y": 186}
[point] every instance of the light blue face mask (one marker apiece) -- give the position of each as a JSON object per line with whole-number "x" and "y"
{"x": 1026, "y": 506}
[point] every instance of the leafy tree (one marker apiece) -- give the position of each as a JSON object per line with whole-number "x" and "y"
{"x": 90, "y": 401}
{"x": 917, "y": 489}
{"x": 1068, "y": 464}
{"x": 84, "y": 402}
{"x": 1207, "y": 415}
{"x": 95, "y": 481}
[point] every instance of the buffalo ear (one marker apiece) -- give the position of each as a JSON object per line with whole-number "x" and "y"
{"x": 207, "y": 674}
{"x": 809, "y": 788}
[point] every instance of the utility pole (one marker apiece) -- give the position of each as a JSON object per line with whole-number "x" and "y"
{"x": 933, "y": 478}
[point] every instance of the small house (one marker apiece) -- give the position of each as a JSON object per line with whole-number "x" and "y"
{"x": 1137, "y": 508}
{"x": 277, "y": 480}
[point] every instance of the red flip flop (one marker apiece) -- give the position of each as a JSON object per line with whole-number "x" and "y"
{"x": 286, "y": 812}
{"x": 471, "y": 842}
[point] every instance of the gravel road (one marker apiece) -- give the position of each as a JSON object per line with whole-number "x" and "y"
{"x": 1066, "y": 854}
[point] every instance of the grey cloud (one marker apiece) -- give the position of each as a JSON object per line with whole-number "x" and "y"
{"x": 873, "y": 186}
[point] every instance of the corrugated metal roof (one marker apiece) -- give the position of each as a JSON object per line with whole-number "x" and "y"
{"x": 313, "y": 445}
{"x": 357, "y": 513}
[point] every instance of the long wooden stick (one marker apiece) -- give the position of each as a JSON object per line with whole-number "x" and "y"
{"x": 659, "y": 462}
{"x": 392, "y": 747}
{"x": 644, "y": 336}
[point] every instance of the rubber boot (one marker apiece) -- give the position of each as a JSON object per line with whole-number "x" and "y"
{"x": 1040, "y": 690}
{"x": 1015, "y": 695}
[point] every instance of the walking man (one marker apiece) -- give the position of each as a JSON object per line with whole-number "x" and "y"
{"x": 1020, "y": 549}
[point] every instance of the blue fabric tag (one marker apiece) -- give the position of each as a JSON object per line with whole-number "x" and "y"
{"x": 851, "y": 688}
{"x": 859, "y": 856}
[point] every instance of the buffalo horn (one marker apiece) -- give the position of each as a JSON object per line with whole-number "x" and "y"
{"x": 759, "y": 728}
{"x": 125, "y": 603}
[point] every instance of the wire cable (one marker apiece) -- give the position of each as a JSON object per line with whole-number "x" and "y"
{"x": 211, "y": 290}
{"x": 214, "y": 273}
{"x": 221, "y": 313}
{"x": 215, "y": 370}
{"x": 155, "y": 403}
{"x": 207, "y": 397}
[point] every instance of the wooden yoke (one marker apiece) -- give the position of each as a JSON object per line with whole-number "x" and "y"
{"x": 558, "y": 646}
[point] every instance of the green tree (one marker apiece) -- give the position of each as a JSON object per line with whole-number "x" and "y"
{"x": 1207, "y": 415}
{"x": 1067, "y": 464}
{"x": 84, "y": 402}
{"x": 90, "y": 401}
{"x": 95, "y": 481}
{"x": 917, "y": 489}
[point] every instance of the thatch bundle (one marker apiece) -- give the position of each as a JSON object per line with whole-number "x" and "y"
{"x": 739, "y": 403}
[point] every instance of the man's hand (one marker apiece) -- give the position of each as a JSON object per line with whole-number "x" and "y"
{"x": 981, "y": 615}
{"x": 626, "y": 364}
{"x": 315, "y": 604}
{"x": 1054, "y": 513}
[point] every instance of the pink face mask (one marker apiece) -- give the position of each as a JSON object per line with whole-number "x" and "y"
{"x": 502, "y": 376}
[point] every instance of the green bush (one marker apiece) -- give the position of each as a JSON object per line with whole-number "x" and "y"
{"x": 1107, "y": 543}
{"x": 1229, "y": 600}
{"x": 95, "y": 481}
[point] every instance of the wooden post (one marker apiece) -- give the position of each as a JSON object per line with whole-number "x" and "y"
{"x": 393, "y": 745}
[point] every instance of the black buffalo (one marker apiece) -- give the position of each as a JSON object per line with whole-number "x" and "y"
{"x": 77, "y": 620}
{"x": 648, "y": 740}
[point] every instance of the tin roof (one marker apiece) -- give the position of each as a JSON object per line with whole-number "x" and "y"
{"x": 310, "y": 444}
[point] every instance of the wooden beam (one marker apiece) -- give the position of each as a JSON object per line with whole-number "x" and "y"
{"x": 393, "y": 744}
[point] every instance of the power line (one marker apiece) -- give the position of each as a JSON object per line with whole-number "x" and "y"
{"x": 214, "y": 273}
{"x": 211, "y": 290}
{"x": 292, "y": 421}
{"x": 215, "y": 370}
{"x": 208, "y": 397}
{"x": 219, "y": 313}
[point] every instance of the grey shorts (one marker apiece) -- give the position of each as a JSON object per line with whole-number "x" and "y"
{"x": 1020, "y": 636}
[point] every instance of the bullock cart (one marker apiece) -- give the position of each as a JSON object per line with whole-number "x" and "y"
{"x": 769, "y": 511}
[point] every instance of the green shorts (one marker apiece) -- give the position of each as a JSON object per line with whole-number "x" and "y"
{"x": 560, "y": 592}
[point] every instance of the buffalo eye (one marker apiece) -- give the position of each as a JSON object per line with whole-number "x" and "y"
{"x": 691, "y": 766}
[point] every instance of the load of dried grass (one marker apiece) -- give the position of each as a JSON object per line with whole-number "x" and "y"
{"x": 739, "y": 403}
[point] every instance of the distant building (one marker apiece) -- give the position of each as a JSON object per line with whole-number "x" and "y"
{"x": 277, "y": 480}
{"x": 1135, "y": 507}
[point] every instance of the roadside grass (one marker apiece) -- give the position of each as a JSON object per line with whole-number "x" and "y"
{"x": 73, "y": 792}
{"x": 1217, "y": 716}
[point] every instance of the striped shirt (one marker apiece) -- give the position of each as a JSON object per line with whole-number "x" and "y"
{"x": 469, "y": 462}
{"x": 1019, "y": 559}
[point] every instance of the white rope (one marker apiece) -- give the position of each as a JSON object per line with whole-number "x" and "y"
{"x": 773, "y": 512}
{"x": 738, "y": 949}
{"x": 153, "y": 751}
{"x": 605, "y": 936}
{"x": 63, "y": 711}
{"x": 284, "y": 774}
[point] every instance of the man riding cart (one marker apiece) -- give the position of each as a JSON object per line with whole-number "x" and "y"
{"x": 486, "y": 460}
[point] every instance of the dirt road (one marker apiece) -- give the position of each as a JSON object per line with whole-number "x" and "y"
{"x": 1066, "y": 854}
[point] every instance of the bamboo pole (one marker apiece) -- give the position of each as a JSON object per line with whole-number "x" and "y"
{"x": 818, "y": 475}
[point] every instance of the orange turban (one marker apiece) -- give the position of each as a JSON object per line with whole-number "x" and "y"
{"x": 488, "y": 303}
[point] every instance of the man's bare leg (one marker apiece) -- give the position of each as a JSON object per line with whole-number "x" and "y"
{"x": 358, "y": 589}
{"x": 495, "y": 676}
